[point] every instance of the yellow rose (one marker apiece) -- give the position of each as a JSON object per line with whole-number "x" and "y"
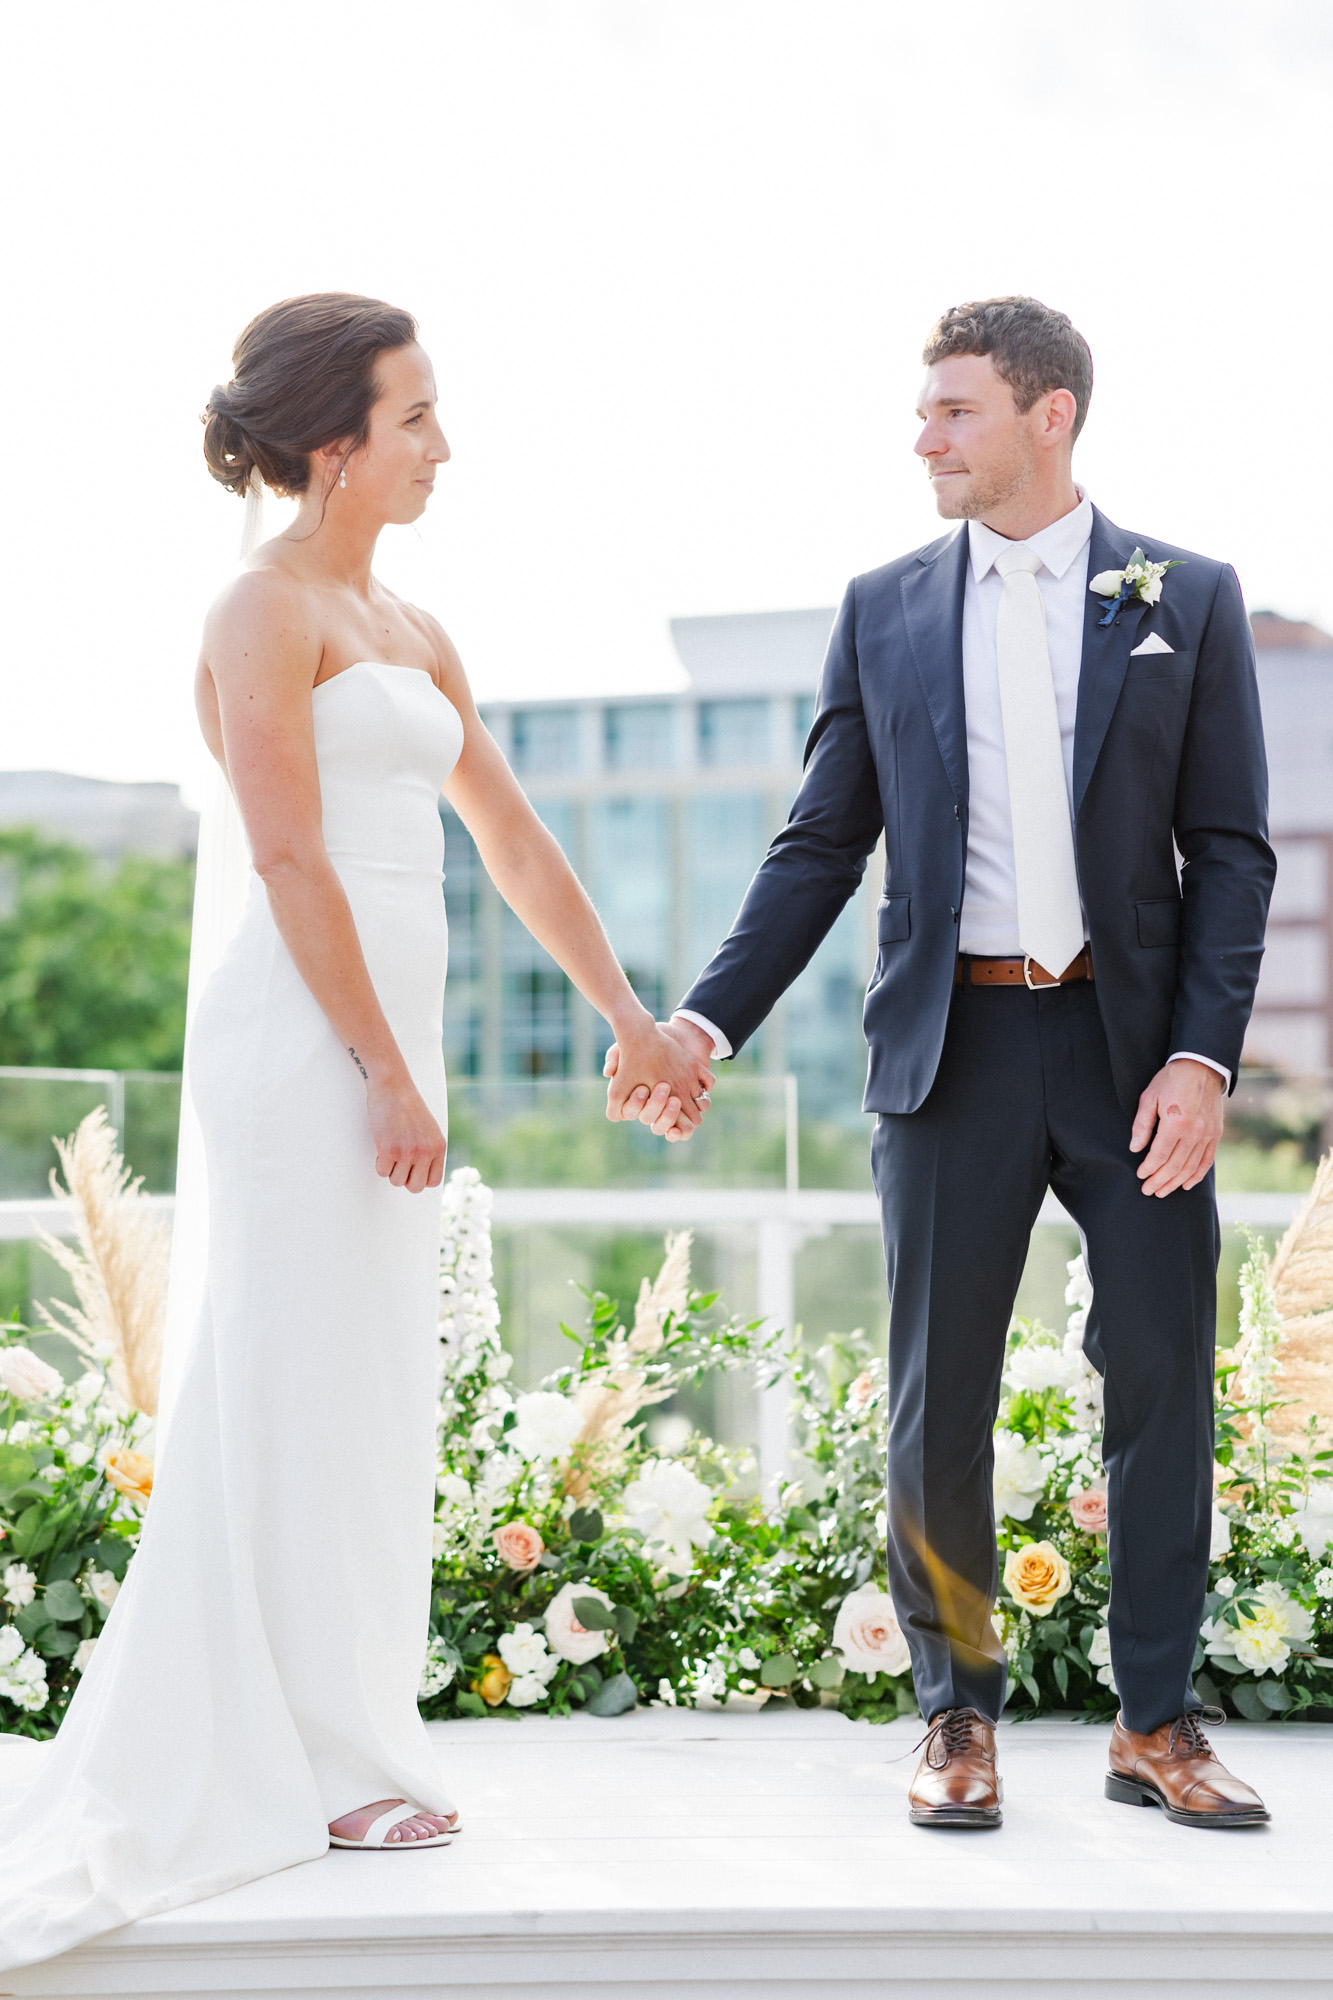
{"x": 493, "y": 1684}
{"x": 130, "y": 1472}
{"x": 1035, "y": 1576}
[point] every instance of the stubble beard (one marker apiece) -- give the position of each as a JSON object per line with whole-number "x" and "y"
{"x": 980, "y": 493}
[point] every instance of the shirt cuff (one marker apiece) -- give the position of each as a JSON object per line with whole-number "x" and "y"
{"x": 721, "y": 1046}
{"x": 1188, "y": 1055}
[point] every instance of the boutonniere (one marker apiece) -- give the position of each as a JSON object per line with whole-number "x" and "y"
{"x": 1139, "y": 579}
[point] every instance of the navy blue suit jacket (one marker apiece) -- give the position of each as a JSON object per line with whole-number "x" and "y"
{"x": 1168, "y": 755}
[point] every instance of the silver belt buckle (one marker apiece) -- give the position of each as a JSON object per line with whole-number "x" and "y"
{"x": 1046, "y": 985}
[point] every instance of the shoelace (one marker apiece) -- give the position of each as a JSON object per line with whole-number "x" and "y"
{"x": 953, "y": 1729}
{"x": 1187, "y": 1731}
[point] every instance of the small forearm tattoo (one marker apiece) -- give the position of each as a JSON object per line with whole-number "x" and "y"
{"x": 360, "y": 1065}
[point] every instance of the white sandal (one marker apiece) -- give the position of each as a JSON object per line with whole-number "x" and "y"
{"x": 376, "y": 1835}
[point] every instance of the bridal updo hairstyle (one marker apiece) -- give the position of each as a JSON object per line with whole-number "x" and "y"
{"x": 304, "y": 378}
{"x": 1031, "y": 348}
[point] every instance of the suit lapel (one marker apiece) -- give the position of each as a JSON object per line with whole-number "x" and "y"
{"x": 932, "y": 599}
{"x": 1106, "y": 650}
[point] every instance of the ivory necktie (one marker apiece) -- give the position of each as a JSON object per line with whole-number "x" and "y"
{"x": 1050, "y": 920}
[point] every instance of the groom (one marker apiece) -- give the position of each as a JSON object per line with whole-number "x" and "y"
{"x": 1039, "y": 729}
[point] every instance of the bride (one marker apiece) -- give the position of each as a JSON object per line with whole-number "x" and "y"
{"x": 253, "y": 1697}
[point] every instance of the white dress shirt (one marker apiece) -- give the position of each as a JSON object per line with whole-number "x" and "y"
{"x": 988, "y": 923}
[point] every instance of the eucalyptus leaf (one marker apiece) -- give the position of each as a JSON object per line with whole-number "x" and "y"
{"x": 16, "y": 1465}
{"x": 64, "y": 1602}
{"x": 1250, "y": 1702}
{"x": 60, "y": 1645}
{"x": 828, "y": 1673}
{"x": 32, "y": 1622}
{"x": 593, "y": 1615}
{"x": 586, "y": 1525}
{"x": 614, "y": 1697}
{"x": 627, "y": 1622}
{"x": 470, "y": 1704}
{"x": 1273, "y": 1695}
{"x": 113, "y": 1552}
{"x": 779, "y": 1672}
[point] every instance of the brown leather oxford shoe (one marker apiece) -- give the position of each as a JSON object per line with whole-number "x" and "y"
{"x": 957, "y": 1783}
{"x": 1177, "y": 1769}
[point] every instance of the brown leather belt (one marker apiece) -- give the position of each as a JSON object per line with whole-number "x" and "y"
{"x": 1021, "y": 972}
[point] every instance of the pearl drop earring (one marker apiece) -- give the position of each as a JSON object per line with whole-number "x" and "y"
{"x": 342, "y": 479}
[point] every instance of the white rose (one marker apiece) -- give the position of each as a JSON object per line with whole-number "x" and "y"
{"x": 1313, "y": 1520}
{"x": 102, "y": 1586}
{"x": 546, "y": 1425}
{"x": 1259, "y": 1638}
{"x": 25, "y": 1375}
{"x": 867, "y": 1634}
{"x": 20, "y": 1585}
{"x": 524, "y": 1652}
{"x": 1107, "y": 583}
{"x": 1019, "y": 1479}
{"x": 454, "y": 1490}
{"x": 1150, "y": 589}
{"x": 1037, "y": 1368}
{"x": 1221, "y": 1535}
{"x": 564, "y": 1634}
{"x": 83, "y": 1654}
{"x": 668, "y": 1505}
{"x": 525, "y": 1690}
{"x": 1099, "y": 1656}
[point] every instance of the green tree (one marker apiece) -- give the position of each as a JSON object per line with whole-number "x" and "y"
{"x": 93, "y": 961}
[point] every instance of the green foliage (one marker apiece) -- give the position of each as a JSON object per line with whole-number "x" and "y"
{"x": 93, "y": 963}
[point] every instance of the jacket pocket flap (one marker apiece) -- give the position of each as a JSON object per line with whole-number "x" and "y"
{"x": 1159, "y": 921}
{"x": 894, "y": 921}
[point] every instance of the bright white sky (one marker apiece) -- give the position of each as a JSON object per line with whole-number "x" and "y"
{"x": 674, "y": 261}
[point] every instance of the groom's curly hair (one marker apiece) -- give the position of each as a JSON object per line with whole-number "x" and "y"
{"x": 1032, "y": 348}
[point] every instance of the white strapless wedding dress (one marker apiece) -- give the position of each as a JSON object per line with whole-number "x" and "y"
{"x": 258, "y": 1674}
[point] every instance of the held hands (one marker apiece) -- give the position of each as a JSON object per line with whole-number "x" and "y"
{"x": 1184, "y": 1101}
{"x": 409, "y": 1145}
{"x": 677, "y": 1054}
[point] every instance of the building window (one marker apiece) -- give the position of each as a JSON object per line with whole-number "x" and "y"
{"x": 639, "y": 735}
{"x": 629, "y": 878}
{"x": 735, "y": 732}
{"x": 724, "y": 844}
{"x": 804, "y": 708}
{"x": 545, "y": 739}
{"x": 463, "y": 988}
{"x": 535, "y": 994}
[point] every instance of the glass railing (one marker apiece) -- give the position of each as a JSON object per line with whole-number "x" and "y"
{"x": 552, "y": 1133}
{"x": 35, "y": 1104}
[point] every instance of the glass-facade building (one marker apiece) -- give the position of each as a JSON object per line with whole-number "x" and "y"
{"x": 665, "y": 805}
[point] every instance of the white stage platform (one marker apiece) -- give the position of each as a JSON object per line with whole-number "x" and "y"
{"x": 728, "y": 1857}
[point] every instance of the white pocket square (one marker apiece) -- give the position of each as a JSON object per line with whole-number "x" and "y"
{"x": 1152, "y": 644}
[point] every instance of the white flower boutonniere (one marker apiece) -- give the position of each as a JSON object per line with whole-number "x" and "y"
{"x": 1139, "y": 579}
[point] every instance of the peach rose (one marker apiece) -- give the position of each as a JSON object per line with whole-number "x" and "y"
{"x": 130, "y": 1472}
{"x": 492, "y": 1684}
{"x": 1036, "y": 1576}
{"x": 519, "y": 1545}
{"x": 1089, "y": 1510}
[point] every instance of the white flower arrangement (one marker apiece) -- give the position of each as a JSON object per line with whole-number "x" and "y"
{"x": 1258, "y": 1628}
{"x": 1019, "y": 1479}
{"x": 669, "y": 1507}
{"x": 1139, "y": 579}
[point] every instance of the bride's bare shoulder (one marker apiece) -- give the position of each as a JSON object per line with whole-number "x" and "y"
{"x": 446, "y": 663}
{"x": 264, "y": 609}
